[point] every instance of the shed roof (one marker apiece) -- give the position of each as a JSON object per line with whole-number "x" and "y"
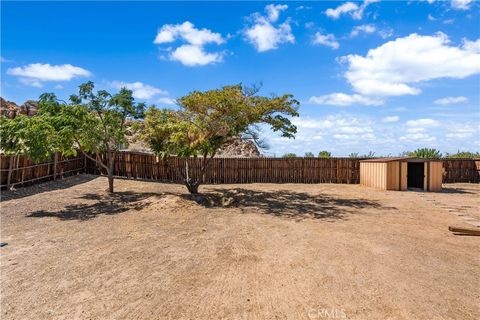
{"x": 390, "y": 159}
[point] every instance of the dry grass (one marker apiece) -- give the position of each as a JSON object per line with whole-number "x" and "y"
{"x": 259, "y": 251}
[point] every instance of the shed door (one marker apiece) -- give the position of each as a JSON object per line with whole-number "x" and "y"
{"x": 415, "y": 175}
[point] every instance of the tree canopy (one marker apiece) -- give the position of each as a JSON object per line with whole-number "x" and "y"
{"x": 92, "y": 122}
{"x": 324, "y": 154}
{"x": 208, "y": 119}
{"x": 428, "y": 153}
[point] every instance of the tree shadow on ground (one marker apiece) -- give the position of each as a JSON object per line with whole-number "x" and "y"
{"x": 456, "y": 190}
{"x": 285, "y": 203}
{"x": 48, "y": 186}
{"x": 106, "y": 204}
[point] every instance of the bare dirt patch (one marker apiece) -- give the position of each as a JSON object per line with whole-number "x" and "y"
{"x": 259, "y": 251}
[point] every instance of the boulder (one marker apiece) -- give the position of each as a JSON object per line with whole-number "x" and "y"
{"x": 8, "y": 109}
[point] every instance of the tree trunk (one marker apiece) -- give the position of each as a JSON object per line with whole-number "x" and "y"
{"x": 110, "y": 181}
{"x": 192, "y": 187}
{"x": 110, "y": 171}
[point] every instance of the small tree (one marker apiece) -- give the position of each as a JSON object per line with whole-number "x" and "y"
{"x": 356, "y": 155}
{"x": 309, "y": 155}
{"x": 207, "y": 120}
{"x": 464, "y": 154}
{"x": 324, "y": 154}
{"x": 93, "y": 123}
{"x": 369, "y": 155}
{"x": 289, "y": 155}
{"x": 427, "y": 153}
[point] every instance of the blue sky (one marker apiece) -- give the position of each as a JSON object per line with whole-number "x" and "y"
{"x": 385, "y": 76}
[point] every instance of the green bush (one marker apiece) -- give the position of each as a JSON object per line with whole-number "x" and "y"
{"x": 324, "y": 154}
{"x": 427, "y": 153}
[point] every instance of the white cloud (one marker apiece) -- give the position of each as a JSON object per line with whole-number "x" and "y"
{"x": 364, "y": 28}
{"x": 416, "y": 129}
{"x": 192, "y": 53}
{"x": 391, "y": 119}
{"x": 473, "y": 46}
{"x": 461, "y": 132}
{"x": 273, "y": 11}
{"x": 418, "y": 137}
{"x": 351, "y": 8}
{"x": 264, "y": 35}
{"x": 422, "y": 123}
{"x": 326, "y": 40}
{"x": 139, "y": 89}
{"x": 431, "y": 18}
{"x": 386, "y": 33}
{"x": 187, "y": 32}
{"x": 165, "y": 100}
{"x": 37, "y": 73}
{"x": 461, "y": 4}
{"x": 354, "y": 130}
{"x": 451, "y": 100}
{"x": 393, "y": 68}
{"x": 342, "y": 99}
{"x": 342, "y": 9}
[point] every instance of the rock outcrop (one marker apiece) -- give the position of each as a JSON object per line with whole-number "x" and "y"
{"x": 29, "y": 108}
{"x": 10, "y": 109}
{"x": 239, "y": 148}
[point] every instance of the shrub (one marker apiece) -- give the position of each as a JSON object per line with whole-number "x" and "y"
{"x": 324, "y": 154}
{"x": 427, "y": 153}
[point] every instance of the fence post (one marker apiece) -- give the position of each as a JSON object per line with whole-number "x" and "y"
{"x": 11, "y": 161}
{"x": 55, "y": 161}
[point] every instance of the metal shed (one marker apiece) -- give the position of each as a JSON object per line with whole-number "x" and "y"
{"x": 402, "y": 174}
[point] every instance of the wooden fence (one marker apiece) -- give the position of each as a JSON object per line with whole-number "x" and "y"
{"x": 461, "y": 170}
{"x": 238, "y": 170}
{"x": 268, "y": 170}
{"x": 19, "y": 170}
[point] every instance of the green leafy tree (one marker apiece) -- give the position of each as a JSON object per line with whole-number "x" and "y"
{"x": 324, "y": 154}
{"x": 289, "y": 155}
{"x": 354, "y": 155}
{"x": 207, "y": 120}
{"x": 93, "y": 123}
{"x": 33, "y": 137}
{"x": 309, "y": 155}
{"x": 464, "y": 154}
{"x": 427, "y": 153}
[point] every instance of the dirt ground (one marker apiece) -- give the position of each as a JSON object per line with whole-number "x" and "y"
{"x": 257, "y": 251}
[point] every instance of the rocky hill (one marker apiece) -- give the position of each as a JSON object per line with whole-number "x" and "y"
{"x": 11, "y": 109}
{"x": 239, "y": 148}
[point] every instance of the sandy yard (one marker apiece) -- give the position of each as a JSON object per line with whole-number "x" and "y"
{"x": 258, "y": 251}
